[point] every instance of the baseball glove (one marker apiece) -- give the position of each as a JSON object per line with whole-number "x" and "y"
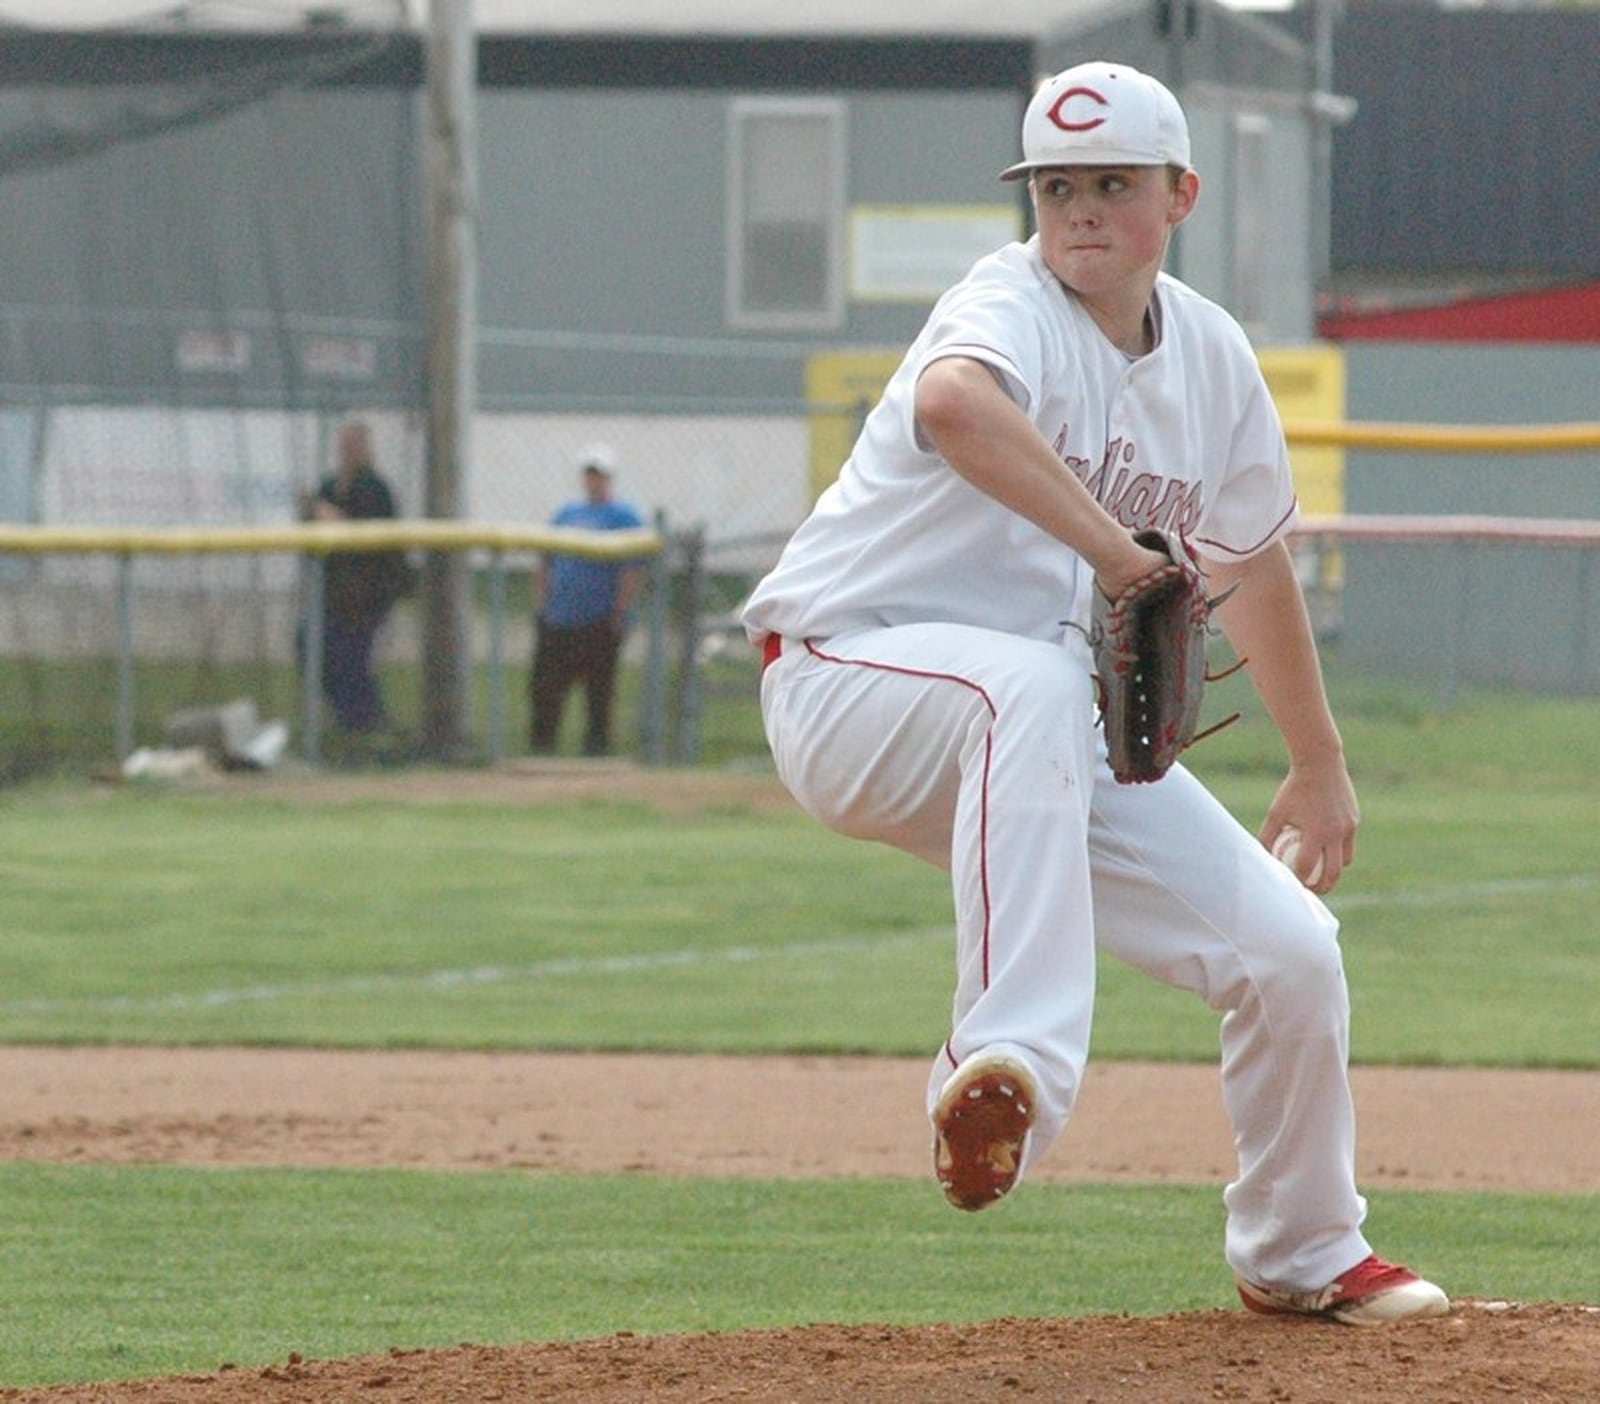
{"x": 1150, "y": 661}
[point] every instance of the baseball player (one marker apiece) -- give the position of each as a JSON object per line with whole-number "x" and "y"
{"x": 928, "y": 684}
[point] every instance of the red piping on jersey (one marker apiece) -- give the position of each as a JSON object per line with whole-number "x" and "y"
{"x": 1245, "y": 551}
{"x": 988, "y": 756}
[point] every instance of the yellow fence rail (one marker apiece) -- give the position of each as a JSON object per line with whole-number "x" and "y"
{"x": 322, "y": 538}
{"x": 1446, "y": 438}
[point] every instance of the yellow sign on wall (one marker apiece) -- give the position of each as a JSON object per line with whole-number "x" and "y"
{"x": 1308, "y": 382}
{"x": 841, "y": 386}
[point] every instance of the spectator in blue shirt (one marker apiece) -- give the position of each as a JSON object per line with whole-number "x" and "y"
{"x": 581, "y": 608}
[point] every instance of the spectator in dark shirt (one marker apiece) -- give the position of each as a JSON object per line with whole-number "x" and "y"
{"x": 359, "y": 587}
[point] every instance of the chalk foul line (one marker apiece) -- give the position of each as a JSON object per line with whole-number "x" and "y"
{"x": 580, "y": 966}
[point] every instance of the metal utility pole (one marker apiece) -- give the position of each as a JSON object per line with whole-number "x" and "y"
{"x": 452, "y": 63}
{"x": 1328, "y": 110}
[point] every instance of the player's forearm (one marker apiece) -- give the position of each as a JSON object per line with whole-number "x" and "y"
{"x": 1266, "y": 622}
{"x": 991, "y": 443}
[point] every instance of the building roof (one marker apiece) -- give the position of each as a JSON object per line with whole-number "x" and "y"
{"x": 1559, "y": 314}
{"x": 993, "y": 18}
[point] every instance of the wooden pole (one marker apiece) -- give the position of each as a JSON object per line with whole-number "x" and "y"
{"x": 452, "y": 367}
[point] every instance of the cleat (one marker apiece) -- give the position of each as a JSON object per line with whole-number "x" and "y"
{"x": 1372, "y": 1293}
{"x": 980, "y": 1123}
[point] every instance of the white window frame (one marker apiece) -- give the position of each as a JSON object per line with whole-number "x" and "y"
{"x": 1250, "y": 160}
{"x": 829, "y": 314}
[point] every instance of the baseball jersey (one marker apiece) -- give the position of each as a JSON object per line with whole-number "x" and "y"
{"x": 1185, "y": 438}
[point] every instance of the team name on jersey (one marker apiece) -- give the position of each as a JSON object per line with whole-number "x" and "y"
{"x": 1136, "y": 497}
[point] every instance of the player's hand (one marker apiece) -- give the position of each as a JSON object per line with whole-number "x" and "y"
{"x": 1317, "y": 798}
{"x": 1130, "y": 564}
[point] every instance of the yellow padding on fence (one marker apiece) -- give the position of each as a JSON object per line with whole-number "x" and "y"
{"x": 319, "y": 538}
{"x": 1448, "y": 438}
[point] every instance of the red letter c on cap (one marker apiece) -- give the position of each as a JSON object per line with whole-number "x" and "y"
{"x": 1056, "y": 115}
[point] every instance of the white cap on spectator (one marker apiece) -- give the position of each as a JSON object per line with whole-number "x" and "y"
{"x": 599, "y": 458}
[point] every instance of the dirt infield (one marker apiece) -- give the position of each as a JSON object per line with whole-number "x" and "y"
{"x": 808, "y": 1118}
{"x": 1518, "y": 1355}
{"x": 815, "y": 1118}
{"x": 776, "y": 1117}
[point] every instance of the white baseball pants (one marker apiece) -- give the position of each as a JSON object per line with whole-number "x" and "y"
{"x": 979, "y": 752}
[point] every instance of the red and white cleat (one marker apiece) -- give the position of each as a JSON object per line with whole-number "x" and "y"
{"x": 980, "y": 1123}
{"x": 1372, "y": 1293}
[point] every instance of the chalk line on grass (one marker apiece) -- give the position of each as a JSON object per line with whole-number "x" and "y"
{"x": 463, "y": 977}
{"x": 561, "y": 967}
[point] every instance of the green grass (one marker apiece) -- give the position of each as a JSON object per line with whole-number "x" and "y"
{"x": 203, "y": 919}
{"x": 147, "y": 914}
{"x": 217, "y": 918}
{"x": 127, "y": 1273}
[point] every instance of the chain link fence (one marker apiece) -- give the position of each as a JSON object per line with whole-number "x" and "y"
{"x": 81, "y": 631}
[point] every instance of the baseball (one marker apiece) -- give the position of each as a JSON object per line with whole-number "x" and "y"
{"x": 1286, "y": 849}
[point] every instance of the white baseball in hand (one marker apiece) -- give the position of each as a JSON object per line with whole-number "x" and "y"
{"x": 1286, "y": 849}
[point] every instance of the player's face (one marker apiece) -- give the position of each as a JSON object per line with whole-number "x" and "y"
{"x": 1105, "y": 228}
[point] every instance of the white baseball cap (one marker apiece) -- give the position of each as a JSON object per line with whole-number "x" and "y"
{"x": 1101, "y": 114}
{"x": 600, "y": 457}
